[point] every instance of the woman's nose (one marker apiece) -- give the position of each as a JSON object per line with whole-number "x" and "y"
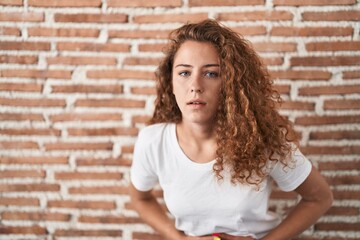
{"x": 196, "y": 85}
{"x": 197, "y": 90}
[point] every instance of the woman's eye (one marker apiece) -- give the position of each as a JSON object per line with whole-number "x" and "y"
{"x": 184, "y": 74}
{"x": 212, "y": 74}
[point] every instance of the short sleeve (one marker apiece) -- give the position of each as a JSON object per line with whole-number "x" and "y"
{"x": 142, "y": 173}
{"x": 288, "y": 178}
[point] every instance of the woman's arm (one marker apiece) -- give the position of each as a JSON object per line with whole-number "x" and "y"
{"x": 153, "y": 214}
{"x": 316, "y": 200}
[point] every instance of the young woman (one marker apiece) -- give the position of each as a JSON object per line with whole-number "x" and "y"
{"x": 216, "y": 145}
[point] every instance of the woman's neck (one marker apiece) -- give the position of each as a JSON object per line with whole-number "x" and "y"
{"x": 197, "y": 141}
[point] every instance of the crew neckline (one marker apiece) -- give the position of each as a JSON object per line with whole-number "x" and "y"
{"x": 182, "y": 156}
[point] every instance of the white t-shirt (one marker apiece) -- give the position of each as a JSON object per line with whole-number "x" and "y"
{"x": 201, "y": 204}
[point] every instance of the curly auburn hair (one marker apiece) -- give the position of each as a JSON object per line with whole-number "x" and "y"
{"x": 249, "y": 129}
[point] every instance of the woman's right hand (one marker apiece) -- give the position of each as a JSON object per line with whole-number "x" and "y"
{"x": 223, "y": 236}
{"x": 198, "y": 238}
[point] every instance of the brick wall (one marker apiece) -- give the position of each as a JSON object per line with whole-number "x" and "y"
{"x": 77, "y": 84}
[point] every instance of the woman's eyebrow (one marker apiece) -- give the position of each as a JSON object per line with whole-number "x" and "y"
{"x": 183, "y": 65}
{"x": 212, "y": 65}
{"x": 206, "y": 65}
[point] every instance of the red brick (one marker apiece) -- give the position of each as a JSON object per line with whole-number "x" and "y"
{"x": 18, "y": 145}
{"x": 36, "y": 216}
{"x": 143, "y": 90}
{"x": 351, "y": 74}
{"x": 78, "y": 146}
{"x": 140, "y": 119}
{"x": 147, "y": 34}
{"x": 329, "y": 90}
{"x": 88, "y": 175}
{"x": 36, "y": 73}
{"x": 346, "y": 194}
{"x": 146, "y": 236}
{"x": 311, "y": 31}
{"x": 274, "y": 46}
{"x": 41, "y": 160}
{"x": 62, "y": 32}
{"x": 347, "y": 75}
{"x": 22, "y": 174}
{"x": 337, "y": 226}
{"x": 250, "y": 31}
{"x": 200, "y": 3}
{"x": 165, "y": 18}
{"x": 10, "y": 31}
{"x": 114, "y": 89}
{"x": 65, "y": 3}
{"x": 127, "y": 149}
{"x": 81, "y": 61}
{"x": 350, "y": 15}
{"x": 19, "y": 201}
{"x": 121, "y": 74}
{"x": 93, "y": 47}
{"x": 343, "y": 180}
{"x": 11, "y": 2}
{"x": 331, "y": 150}
{"x": 32, "y": 102}
{"x": 312, "y": 2}
{"x": 339, "y": 165}
{"x": 272, "y": 60}
{"x": 335, "y": 135}
{"x": 325, "y": 120}
{"x": 86, "y": 116}
{"x": 333, "y": 46}
{"x": 282, "y": 89}
{"x": 151, "y": 47}
{"x": 21, "y": 17}
{"x": 103, "y": 162}
{"x": 344, "y": 211}
{"x": 87, "y": 232}
{"x": 109, "y": 219}
{"x": 30, "y": 131}
{"x": 116, "y": 131}
{"x": 117, "y": 190}
{"x": 16, "y": 59}
{"x": 301, "y": 75}
{"x": 108, "y": 205}
{"x": 21, "y": 117}
{"x": 32, "y": 187}
{"x": 24, "y": 46}
{"x": 298, "y": 105}
{"x": 110, "y": 103}
{"x": 325, "y": 61}
{"x": 21, "y": 87}
{"x": 141, "y": 61}
{"x": 256, "y": 16}
{"x": 91, "y": 18}
{"x": 342, "y": 104}
{"x": 144, "y": 3}
{"x": 35, "y": 229}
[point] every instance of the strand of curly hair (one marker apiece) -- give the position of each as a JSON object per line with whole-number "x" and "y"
{"x": 249, "y": 129}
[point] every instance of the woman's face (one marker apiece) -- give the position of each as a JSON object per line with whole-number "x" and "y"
{"x": 196, "y": 81}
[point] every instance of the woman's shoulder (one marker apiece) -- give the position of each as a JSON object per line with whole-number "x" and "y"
{"x": 154, "y": 128}
{"x": 153, "y": 132}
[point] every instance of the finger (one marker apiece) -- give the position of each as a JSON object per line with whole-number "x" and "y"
{"x": 225, "y": 236}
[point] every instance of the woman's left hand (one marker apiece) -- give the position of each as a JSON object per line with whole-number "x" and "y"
{"x": 225, "y": 236}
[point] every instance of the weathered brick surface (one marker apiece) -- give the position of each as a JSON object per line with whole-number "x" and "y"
{"x": 77, "y": 85}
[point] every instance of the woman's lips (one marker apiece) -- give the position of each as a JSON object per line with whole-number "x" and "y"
{"x": 196, "y": 104}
